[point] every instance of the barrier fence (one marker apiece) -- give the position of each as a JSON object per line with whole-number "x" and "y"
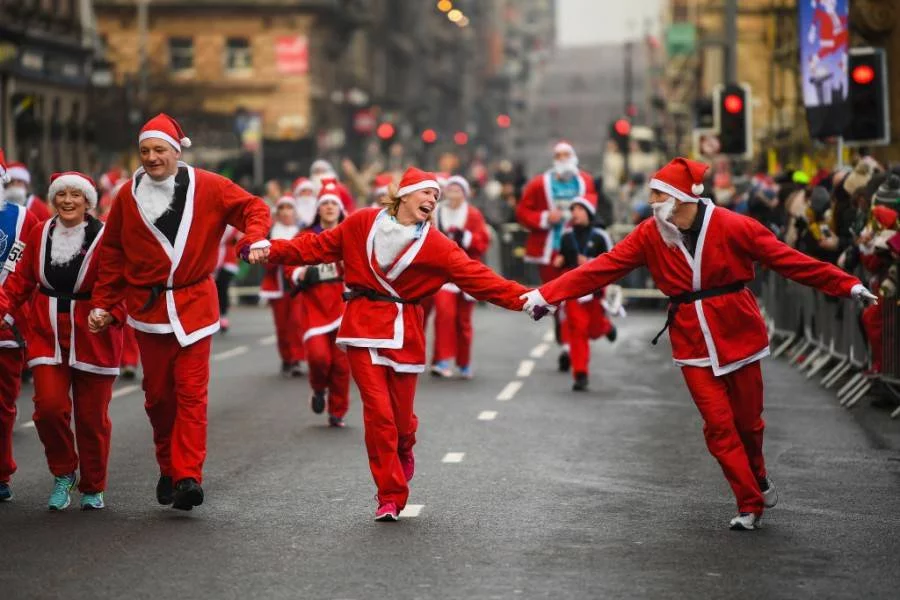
{"x": 822, "y": 336}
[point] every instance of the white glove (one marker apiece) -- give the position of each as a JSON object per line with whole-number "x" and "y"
{"x": 534, "y": 300}
{"x": 862, "y": 295}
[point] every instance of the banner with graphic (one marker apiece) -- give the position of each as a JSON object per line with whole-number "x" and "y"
{"x": 824, "y": 40}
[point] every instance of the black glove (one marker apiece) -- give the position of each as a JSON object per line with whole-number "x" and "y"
{"x": 311, "y": 277}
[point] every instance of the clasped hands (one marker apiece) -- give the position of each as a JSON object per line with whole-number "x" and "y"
{"x": 99, "y": 320}
{"x": 535, "y": 305}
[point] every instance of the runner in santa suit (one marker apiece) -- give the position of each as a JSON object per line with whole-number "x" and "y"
{"x": 60, "y": 265}
{"x": 701, "y": 257}
{"x": 321, "y": 170}
{"x": 18, "y": 191}
{"x": 320, "y": 289}
{"x": 585, "y": 317}
{"x": 465, "y": 225}
{"x": 226, "y": 269}
{"x": 544, "y": 212}
{"x": 158, "y": 253}
{"x": 15, "y": 224}
{"x": 305, "y": 191}
{"x": 286, "y": 309}
{"x": 392, "y": 258}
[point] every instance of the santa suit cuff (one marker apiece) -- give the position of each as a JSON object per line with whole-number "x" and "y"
{"x": 467, "y": 239}
{"x": 297, "y": 275}
{"x": 261, "y": 244}
{"x": 545, "y": 220}
{"x": 9, "y": 320}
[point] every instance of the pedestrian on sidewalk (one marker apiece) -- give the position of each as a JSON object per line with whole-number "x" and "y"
{"x": 702, "y": 257}
{"x": 393, "y": 257}
{"x": 286, "y": 307}
{"x": 60, "y": 264}
{"x": 320, "y": 290}
{"x": 15, "y": 224}
{"x": 158, "y": 253}
{"x": 464, "y": 224}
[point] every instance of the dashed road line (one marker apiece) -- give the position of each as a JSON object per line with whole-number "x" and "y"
{"x": 231, "y": 353}
{"x": 412, "y": 510}
{"x": 28, "y": 425}
{"x": 267, "y": 341}
{"x": 550, "y": 336}
{"x": 525, "y": 368}
{"x": 540, "y": 350}
{"x": 125, "y": 390}
{"x": 487, "y": 415}
{"x": 509, "y": 391}
{"x": 453, "y": 457}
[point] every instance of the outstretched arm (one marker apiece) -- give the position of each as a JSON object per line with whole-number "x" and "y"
{"x": 309, "y": 248}
{"x": 477, "y": 280}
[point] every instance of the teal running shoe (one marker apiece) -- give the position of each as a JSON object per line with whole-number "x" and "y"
{"x": 5, "y": 492}
{"x": 61, "y": 496}
{"x": 92, "y": 501}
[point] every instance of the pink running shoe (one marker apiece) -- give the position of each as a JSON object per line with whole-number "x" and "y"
{"x": 408, "y": 462}
{"x": 387, "y": 512}
{"x": 224, "y": 324}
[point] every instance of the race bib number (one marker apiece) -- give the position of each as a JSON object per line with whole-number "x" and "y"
{"x": 328, "y": 272}
{"x": 14, "y": 256}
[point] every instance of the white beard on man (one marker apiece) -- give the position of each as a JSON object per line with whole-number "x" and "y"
{"x": 565, "y": 169}
{"x": 66, "y": 243}
{"x": 662, "y": 212}
{"x": 155, "y": 197}
{"x": 15, "y": 194}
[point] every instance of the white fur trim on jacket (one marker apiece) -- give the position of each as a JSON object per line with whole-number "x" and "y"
{"x": 73, "y": 181}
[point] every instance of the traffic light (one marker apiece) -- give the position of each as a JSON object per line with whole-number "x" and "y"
{"x": 429, "y": 136}
{"x": 619, "y": 132}
{"x": 733, "y": 109}
{"x": 867, "y": 98}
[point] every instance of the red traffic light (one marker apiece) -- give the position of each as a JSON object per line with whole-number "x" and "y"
{"x": 429, "y": 136}
{"x": 503, "y": 121}
{"x": 863, "y": 74}
{"x": 385, "y": 131}
{"x": 622, "y": 127}
{"x": 461, "y": 138}
{"x": 733, "y": 103}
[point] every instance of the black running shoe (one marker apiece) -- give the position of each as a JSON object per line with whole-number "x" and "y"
{"x": 164, "y": 490}
{"x": 613, "y": 334}
{"x": 317, "y": 402}
{"x": 286, "y": 368}
{"x": 581, "y": 382}
{"x": 188, "y": 494}
{"x": 565, "y": 363}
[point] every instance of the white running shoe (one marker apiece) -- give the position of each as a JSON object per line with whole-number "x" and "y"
{"x": 744, "y": 522}
{"x": 770, "y": 494}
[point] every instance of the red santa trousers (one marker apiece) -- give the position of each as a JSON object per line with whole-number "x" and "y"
{"x": 453, "y": 328}
{"x": 53, "y": 408}
{"x": 583, "y": 322}
{"x": 329, "y": 370}
{"x": 129, "y": 347}
{"x": 731, "y": 407}
{"x": 175, "y": 398}
{"x": 873, "y": 325}
{"x": 288, "y": 328}
{"x": 548, "y": 273}
{"x": 12, "y": 360}
{"x": 389, "y": 420}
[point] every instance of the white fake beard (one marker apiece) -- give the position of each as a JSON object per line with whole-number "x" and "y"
{"x": 155, "y": 197}
{"x": 390, "y": 238}
{"x": 16, "y": 195}
{"x": 280, "y": 231}
{"x": 566, "y": 168}
{"x": 662, "y": 211}
{"x": 306, "y": 209}
{"x": 66, "y": 243}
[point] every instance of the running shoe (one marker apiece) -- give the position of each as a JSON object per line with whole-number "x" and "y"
{"x": 224, "y": 324}
{"x": 129, "y": 372}
{"x": 92, "y": 501}
{"x": 408, "y": 462}
{"x": 334, "y": 421}
{"x": 466, "y": 372}
{"x": 298, "y": 369}
{"x": 612, "y": 334}
{"x": 61, "y": 496}
{"x": 387, "y": 512}
{"x": 442, "y": 369}
{"x": 5, "y": 492}
{"x": 581, "y": 382}
{"x": 770, "y": 494}
{"x": 188, "y": 494}
{"x": 564, "y": 363}
{"x": 286, "y": 368}
{"x": 317, "y": 402}
{"x": 164, "y": 490}
{"x": 744, "y": 522}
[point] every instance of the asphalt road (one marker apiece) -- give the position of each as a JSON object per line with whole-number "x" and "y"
{"x": 543, "y": 494}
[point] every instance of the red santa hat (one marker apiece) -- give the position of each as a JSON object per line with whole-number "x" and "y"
{"x": 564, "y": 146}
{"x": 884, "y": 216}
{"x": 166, "y": 128}
{"x": 681, "y": 178}
{"x": 302, "y": 184}
{"x": 330, "y": 193}
{"x": 4, "y": 174}
{"x": 18, "y": 172}
{"x": 415, "y": 179}
{"x": 589, "y": 203}
{"x": 286, "y": 201}
{"x": 112, "y": 178}
{"x": 73, "y": 179}
{"x": 461, "y": 182}
{"x": 381, "y": 185}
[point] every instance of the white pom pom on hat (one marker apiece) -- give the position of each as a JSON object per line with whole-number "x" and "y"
{"x": 697, "y": 189}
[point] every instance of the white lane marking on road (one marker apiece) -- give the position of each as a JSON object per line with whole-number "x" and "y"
{"x": 525, "y": 368}
{"x": 28, "y": 425}
{"x": 412, "y": 510}
{"x": 487, "y": 415}
{"x": 550, "y": 336}
{"x": 231, "y": 353}
{"x": 125, "y": 390}
{"x": 539, "y": 351}
{"x": 509, "y": 391}
{"x": 267, "y": 341}
{"x": 453, "y": 457}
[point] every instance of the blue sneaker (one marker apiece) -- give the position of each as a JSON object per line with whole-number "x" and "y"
{"x": 5, "y": 492}
{"x": 61, "y": 496}
{"x": 92, "y": 501}
{"x": 466, "y": 372}
{"x": 442, "y": 369}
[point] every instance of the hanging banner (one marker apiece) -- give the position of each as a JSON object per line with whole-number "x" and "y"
{"x": 824, "y": 39}
{"x": 292, "y": 55}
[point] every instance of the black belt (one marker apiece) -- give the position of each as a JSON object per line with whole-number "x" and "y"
{"x": 689, "y": 297}
{"x": 303, "y": 286}
{"x": 357, "y": 292}
{"x": 157, "y": 290}
{"x": 64, "y": 295}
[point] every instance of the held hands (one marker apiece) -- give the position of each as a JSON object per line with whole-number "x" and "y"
{"x": 535, "y": 306}
{"x": 259, "y": 256}
{"x": 559, "y": 261}
{"x": 99, "y": 320}
{"x": 554, "y": 217}
{"x": 863, "y": 295}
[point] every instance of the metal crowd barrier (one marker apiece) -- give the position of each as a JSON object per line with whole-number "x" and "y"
{"x": 822, "y": 334}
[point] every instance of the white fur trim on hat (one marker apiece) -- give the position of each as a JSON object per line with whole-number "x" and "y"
{"x": 4, "y": 176}
{"x": 19, "y": 173}
{"x": 286, "y": 200}
{"x": 582, "y": 201}
{"x": 461, "y": 182}
{"x": 422, "y": 185}
{"x": 330, "y": 198}
{"x": 381, "y": 191}
{"x": 162, "y": 135}
{"x": 305, "y": 185}
{"x": 563, "y": 147}
{"x": 73, "y": 181}
{"x": 661, "y": 186}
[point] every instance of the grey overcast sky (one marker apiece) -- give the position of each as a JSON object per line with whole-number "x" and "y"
{"x": 587, "y": 22}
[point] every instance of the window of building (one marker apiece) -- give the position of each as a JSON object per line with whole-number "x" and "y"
{"x": 181, "y": 54}
{"x": 238, "y": 55}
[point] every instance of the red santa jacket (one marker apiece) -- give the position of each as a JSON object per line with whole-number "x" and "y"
{"x": 533, "y": 211}
{"x": 321, "y": 295}
{"x": 394, "y": 332}
{"x": 95, "y": 353}
{"x": 135, "y": 256}
{"x": 38, "y": 208}
{"x": 724, "y": 332}
{"x": 25, "y": 221}
{"x": 474, "y": 236}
